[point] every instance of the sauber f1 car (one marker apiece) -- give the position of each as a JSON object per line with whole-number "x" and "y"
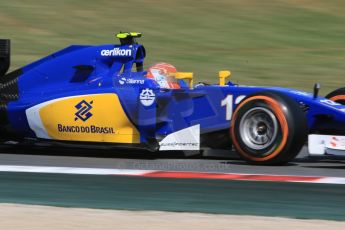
{"x": 102, "y": 96}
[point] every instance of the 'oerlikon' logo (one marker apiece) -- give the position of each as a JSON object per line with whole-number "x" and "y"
{"x": 116, "y": 52}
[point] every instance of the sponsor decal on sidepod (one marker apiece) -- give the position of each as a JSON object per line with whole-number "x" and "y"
{"x": 84, "y": 129}
{"x": 83, "y": 113}
{"x": 94, "y": 118}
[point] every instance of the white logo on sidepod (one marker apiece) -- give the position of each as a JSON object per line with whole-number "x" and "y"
{"x": 116, "y": 52}
{"x": 147, "y": 97}
{"x": 124, "y": 80}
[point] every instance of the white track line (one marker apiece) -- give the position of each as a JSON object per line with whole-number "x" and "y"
{"x": 71, "y": 170}
{"x": 172, "y": 174}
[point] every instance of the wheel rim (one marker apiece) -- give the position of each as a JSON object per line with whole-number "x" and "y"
{"x": 258, "y": 128}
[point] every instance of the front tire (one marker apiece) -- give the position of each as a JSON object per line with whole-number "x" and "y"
{"x": 268, "y": 128}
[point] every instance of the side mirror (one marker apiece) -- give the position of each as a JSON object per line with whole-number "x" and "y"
{"x": 185, "y": 75}
{"x": 223, "y": 74}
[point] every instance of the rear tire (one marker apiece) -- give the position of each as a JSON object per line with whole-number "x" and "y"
{"x": 268, "y": 128}
{"x": 337, "y": 95}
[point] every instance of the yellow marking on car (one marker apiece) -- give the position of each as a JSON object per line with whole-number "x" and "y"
{"x": 94, "y": 118}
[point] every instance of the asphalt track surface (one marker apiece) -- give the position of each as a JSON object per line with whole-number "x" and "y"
{"x": 215, "y": 161}
{"x": 298, "y": 200}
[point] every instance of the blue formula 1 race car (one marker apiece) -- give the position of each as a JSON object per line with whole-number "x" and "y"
{"x": 101, "y": 96}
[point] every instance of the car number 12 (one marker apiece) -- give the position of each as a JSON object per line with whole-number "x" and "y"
{"x": 228, "y": 102}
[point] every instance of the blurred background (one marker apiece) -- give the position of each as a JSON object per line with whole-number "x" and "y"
{"x": 290, "y": 43}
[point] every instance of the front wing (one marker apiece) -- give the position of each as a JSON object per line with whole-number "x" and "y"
{"x": 326, "y": 145}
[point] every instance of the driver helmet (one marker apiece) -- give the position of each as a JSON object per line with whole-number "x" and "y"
{"x": 164, "y": 75}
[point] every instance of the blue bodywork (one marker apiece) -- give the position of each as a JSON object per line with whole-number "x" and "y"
{"x": 82, "y": 70}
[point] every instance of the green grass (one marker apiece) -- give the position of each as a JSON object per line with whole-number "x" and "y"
{"x": 291, "y": 43}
